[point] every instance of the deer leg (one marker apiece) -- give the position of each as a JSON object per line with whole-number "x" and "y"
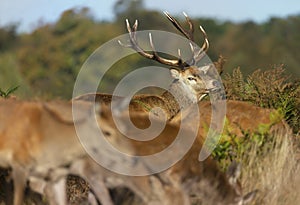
{"x": 37, "y": 185}
{"x": 99, "y": 189}
{"x": 56, "y": 192}
{"x": 92, "y": 199}
{"x": 19, "y": 180}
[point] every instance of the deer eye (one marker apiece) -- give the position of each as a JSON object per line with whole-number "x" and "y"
{"x": 191, "y": 79}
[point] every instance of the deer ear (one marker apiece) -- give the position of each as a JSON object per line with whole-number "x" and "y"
{"x": 174, "y": 73}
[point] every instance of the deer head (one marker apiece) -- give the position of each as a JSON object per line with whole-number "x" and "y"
{"x": 191, "y": 79}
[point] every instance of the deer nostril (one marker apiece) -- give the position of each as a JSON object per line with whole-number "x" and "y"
{"x": 106, "y": 133}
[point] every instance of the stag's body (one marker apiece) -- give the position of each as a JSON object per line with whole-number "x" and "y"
{"x": 241, "y": 117}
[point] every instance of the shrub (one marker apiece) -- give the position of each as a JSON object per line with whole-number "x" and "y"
{"x": 269, "y": 89}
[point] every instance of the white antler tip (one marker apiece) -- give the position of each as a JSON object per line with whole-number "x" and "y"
{"x": 127, "y": 23}
{"x": 202, "y": 29}
{"x": 135, "y": 25}
{"x": 192, "y": 47}
{"x": 179, "y": 53}
{"x": 151, "y": 41}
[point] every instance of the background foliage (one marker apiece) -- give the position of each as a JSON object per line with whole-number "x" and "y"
{"x": 46, "y": 61}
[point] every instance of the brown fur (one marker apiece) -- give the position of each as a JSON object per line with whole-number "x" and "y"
{"x": 186, "y": 178}
{"x": 187, "y": 88}
{"x": 42, "y": 143}
{"x": 240, "y": 117}
{"x": 30, "y": 134}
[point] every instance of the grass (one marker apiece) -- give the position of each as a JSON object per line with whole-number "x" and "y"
{"x": 270, "y": 163}
{"x": 270, "y": 159}
{"x": 275, "y": 173}
{"x": 8, "y": 92}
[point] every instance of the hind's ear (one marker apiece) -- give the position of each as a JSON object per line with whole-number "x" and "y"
{"x": 175, "y": 73}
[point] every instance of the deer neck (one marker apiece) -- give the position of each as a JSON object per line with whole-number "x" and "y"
{"x": 177, "y": 98}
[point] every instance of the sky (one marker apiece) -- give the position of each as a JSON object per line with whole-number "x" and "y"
{"x": 29, "y": 12}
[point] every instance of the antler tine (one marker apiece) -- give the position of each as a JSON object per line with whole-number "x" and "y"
{"x": 191, "y": 25}
{"x": 198, "y": 56}
{"x": 205, "y": 45}
{"x": 192, "y": 48}
{"x": 187, "y": 34}
{"x": 176, "y": 62}
{"x": 133, "y": 42}
{"x": 132, "y": 30}
{"x": 154, "y": 55}
{"x": 132, "y": 34}
{"x": 179, "y": 53}
{"x": 135, "y": 25}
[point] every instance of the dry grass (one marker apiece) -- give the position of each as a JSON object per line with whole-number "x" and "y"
{"x": 274, "y": 173}
{"x": 273, "y": 165}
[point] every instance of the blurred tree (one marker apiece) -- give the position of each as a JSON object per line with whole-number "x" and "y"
{"x": 8, "y": 36}
{"x": 57, "y": 52}
{"x": 128, "y": 7}
{"x": 72, "y": 18}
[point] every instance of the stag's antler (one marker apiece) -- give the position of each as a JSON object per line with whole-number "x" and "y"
{"x": 153, "y": 55}
{"x": 198, "y": 54}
